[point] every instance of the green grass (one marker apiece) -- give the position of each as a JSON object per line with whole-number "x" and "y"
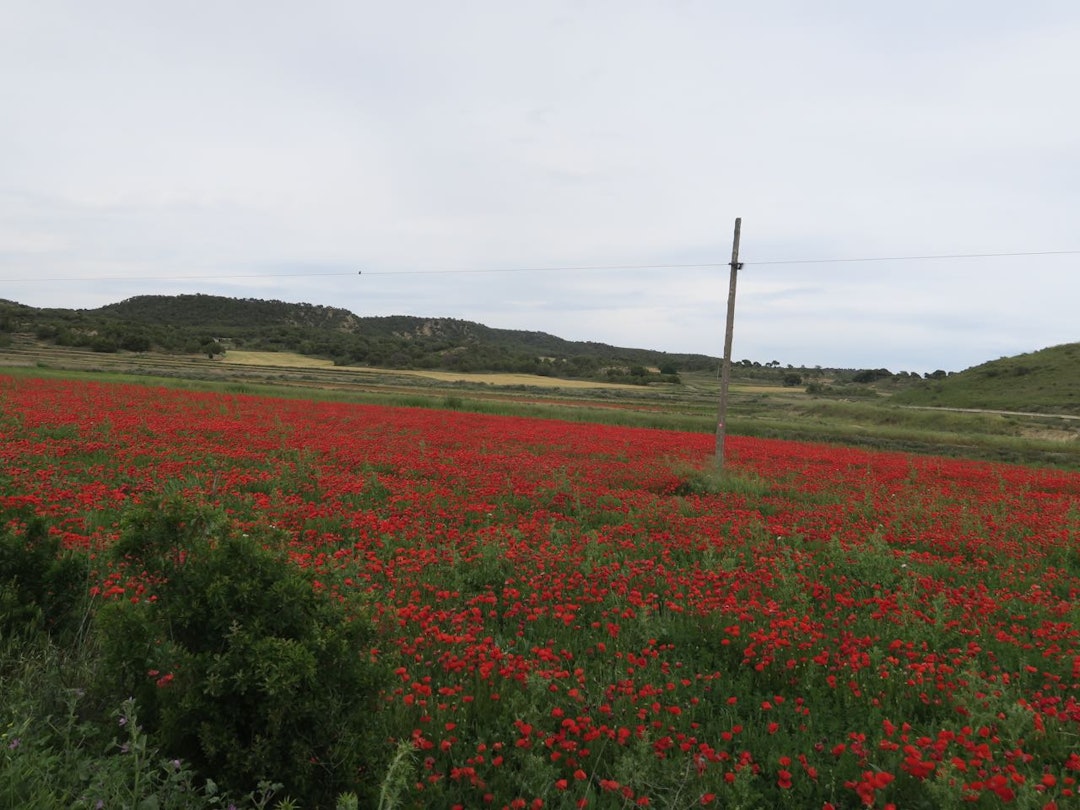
{"x": 1046, "y": 381}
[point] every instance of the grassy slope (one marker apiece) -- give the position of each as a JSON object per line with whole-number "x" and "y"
{"x": 1046, "y": 381}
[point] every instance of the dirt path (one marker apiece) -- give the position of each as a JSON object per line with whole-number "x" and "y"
{"x": 993, "y": 411}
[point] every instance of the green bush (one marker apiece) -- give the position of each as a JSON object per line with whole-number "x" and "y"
{"x": 42, "y": 587}
{"x": 238, "y": 665}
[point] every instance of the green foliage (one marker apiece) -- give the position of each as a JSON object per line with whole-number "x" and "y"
{"x": 210, "y": 348}
{"x": 55, "y": 757}
{"x": 397, "y": 779}
{"x": 152, "y": 534}
{"x": 871, "y": 375}
{"x": 131, "y": 773}
{"x": 42, "y": 588}
{"x": 239, "y": 666}
{"x": 712, "y": 481}
{"x": 41, "y": 736}
{"x": 823, "y": 390}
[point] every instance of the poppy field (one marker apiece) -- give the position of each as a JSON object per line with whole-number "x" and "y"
{"x": 575, "y": 615}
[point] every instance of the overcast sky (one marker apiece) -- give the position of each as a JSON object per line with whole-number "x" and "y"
{"x": 275, "y": 149}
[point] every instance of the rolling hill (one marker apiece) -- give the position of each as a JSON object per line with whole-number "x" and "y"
{"x": 1045, "y": 381}
{"x": 241, "y": 314}
{"x": 213, "y": 324}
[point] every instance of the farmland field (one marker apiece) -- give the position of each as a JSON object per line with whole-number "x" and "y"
{"x": 580, "y": 615}
{"x": 291, "y": 360}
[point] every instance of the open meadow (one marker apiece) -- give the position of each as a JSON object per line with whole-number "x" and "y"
{"x": 758, "y": 407}
{"x": 543, "y": 613}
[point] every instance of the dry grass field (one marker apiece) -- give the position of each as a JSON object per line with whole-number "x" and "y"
{"x": 515, "y": 379}
{"x": 290, "y": 360}
{"x": 286, "y": 359}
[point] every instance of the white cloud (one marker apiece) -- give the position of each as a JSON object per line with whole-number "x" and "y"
{"x": 270, "y": 140}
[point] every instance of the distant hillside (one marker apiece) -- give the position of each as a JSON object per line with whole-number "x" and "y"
{"x": 241, "y": 315}
{"x": 1046, "y": 381}
{"x": 208, "y": 324}
{"x": 213, "y": 324}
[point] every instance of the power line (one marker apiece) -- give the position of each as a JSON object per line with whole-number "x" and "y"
{"x": 445, "y": 271}
{"x": 175, "y": 278}
{"x": 718, "y": 264}
{"x": 920, "y": 258}
{"x": 557, "y": 268}
{"x": 542, "y": 269}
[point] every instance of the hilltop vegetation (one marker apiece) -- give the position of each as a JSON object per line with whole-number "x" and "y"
{"x": 1046, "y": 381}
{"x": 212, "y": 324}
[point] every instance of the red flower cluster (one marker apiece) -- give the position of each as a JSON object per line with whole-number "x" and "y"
{"x": 562, "y": 625}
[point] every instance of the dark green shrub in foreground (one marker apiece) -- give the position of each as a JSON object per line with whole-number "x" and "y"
{"x": 239, "y": 667}
{"x": 42, "y": 588}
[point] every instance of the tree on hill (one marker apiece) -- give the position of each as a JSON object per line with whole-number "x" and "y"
{"x": 211, "y": 347}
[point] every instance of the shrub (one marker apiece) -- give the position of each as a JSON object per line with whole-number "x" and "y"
{"x": 42, "y": 588}
{"x": 238, "y": 665}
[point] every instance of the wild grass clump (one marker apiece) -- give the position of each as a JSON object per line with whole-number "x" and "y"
{"x": 714, "y": 480}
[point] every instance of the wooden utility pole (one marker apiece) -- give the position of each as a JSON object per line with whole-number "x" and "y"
{"x": 725, "y": 371}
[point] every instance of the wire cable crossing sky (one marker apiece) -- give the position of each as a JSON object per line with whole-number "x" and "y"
{"x": 582, "y": 268}
{"x": 866, "y": 259}
{"x": 250, "y": 150}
